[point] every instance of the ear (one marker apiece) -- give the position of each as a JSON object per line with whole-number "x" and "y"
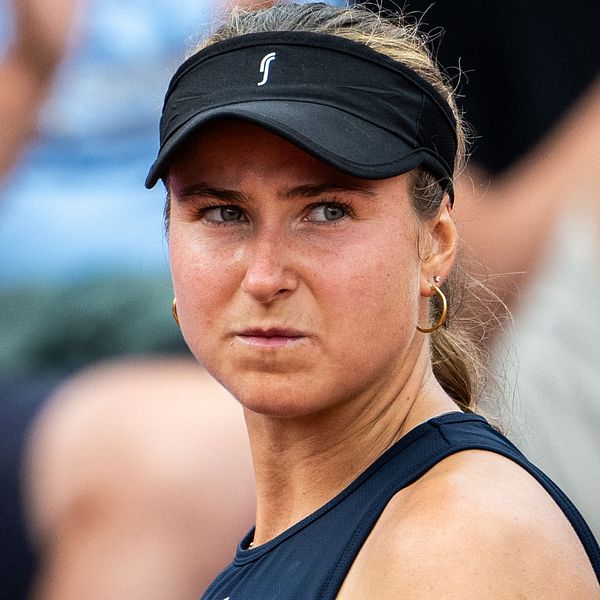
{"x": 440, "y": 248}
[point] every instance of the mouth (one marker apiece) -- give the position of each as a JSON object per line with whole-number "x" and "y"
{"x": 273, "y": 337}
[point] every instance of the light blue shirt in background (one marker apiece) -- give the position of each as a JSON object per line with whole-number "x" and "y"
{"x": 76, "y": 206}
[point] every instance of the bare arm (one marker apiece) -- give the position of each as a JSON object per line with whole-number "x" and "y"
{"x": 140, "y": 483}
{"x": 475, "y": 527}
{"x": 27, "y": 70}
{"x": 507, "y": 222}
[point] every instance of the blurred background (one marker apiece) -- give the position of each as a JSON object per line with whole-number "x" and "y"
{"x": 83, "y": 259}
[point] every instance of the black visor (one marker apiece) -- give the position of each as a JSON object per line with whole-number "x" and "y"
{"x": 348, "y": 105}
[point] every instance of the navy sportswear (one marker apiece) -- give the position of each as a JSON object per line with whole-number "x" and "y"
{"x": 310, "y": 560}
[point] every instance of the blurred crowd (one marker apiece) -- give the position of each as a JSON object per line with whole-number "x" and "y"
{"x": 80, "y": 240}
{"x": 84, "y": 278}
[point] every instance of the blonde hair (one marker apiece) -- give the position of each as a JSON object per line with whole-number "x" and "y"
{"x": 457, "y": 360}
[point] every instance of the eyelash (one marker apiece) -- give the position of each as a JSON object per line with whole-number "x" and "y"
{"x": 200, "y": 212}
{"x": 346, "y": 206}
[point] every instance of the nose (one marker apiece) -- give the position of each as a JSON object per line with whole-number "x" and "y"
{"x": 269, "y": 273}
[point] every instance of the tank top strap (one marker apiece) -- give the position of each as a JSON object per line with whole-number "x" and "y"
{"x": 409, "y": 460}
{"x": 312, "y": 558}
{"x": 463, "y": 435}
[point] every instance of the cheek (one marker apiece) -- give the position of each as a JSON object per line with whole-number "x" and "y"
{"x": 202, "y": 282}
{"x": 370, "y": 314}
{"x": 377, "y": 295}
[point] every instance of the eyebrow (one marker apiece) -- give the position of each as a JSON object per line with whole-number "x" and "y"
{"x": 311, "y": 191}
{"x": 300, "y": 191}
{"x": 201, "y": 189}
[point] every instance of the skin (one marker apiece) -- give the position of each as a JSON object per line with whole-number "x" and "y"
{"x": 139, "y": 482}
{"x": 265, "y": 236}
{"x": 557, "y": 177}
{"x": 40, "y": 42}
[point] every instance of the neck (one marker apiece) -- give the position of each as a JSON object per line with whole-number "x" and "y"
{"x": 302, "y": 463}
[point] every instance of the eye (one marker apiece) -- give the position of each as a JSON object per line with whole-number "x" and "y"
{"x": 224, "y": 214}
{"x": 327, "y": 213}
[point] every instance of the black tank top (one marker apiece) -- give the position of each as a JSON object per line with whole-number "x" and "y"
{"x": 310, "y": 560}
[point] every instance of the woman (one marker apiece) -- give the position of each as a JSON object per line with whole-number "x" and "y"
{"x": 308, "y": 153}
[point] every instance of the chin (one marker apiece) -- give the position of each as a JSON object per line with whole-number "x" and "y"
{"x": 277, "y": 396}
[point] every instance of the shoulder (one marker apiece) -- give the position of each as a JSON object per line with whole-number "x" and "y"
{"x": 475, "y": 526}
{"x": 139, "y": 462}
{"x": 141, "y": 449}
{"x": 133, "y": 425}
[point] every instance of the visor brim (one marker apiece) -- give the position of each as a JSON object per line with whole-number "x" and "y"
{"x": 349, "y": 143}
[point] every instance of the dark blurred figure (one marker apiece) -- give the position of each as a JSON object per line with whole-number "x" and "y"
{"x": 525, "y": 64}
{"x": 20, "y": 402}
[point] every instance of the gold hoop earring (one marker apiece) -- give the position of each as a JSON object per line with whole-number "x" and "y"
{"x": 174, "y": 311}
{"x": 436, "y": 290}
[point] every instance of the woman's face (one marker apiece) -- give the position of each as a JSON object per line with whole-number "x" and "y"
{"x": 297, "y": 286}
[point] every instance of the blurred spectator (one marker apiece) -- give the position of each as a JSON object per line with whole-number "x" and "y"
{"x": 139, "y": 483}
{"x": 76, "y": 224}
{"x": 34, "y": 52}
{"x": 121, "y": 457}
{"x": 30, "y": 57}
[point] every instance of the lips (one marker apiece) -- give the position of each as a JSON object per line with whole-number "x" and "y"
{"x": 272, "y": 337}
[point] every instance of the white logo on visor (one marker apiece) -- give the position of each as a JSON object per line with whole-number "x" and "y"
{"x": 264, "y": 67}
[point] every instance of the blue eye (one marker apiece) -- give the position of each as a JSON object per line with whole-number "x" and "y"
{"x": 231, "y": 213}
{"x": 329, "y": 212}
{"x": 224, "y": 214}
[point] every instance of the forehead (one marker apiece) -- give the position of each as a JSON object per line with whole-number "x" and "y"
{"x": 227, "y": 151}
